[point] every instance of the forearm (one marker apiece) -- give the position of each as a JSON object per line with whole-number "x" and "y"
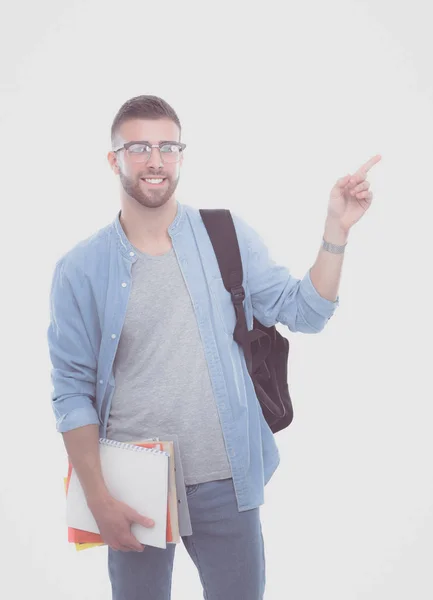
{"x": 82, "y": 446}
{"x": 325, "y": 274}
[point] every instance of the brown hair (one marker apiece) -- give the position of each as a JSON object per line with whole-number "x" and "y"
{"x": 143, "y": 107}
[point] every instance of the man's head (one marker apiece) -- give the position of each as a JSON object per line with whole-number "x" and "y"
{"x": 147, "y": 121}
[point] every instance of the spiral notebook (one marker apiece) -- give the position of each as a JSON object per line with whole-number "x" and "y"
{"x": 84, "y": 540}
{"x": 135, "y": 475}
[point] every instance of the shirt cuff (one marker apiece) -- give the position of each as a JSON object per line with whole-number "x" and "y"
{"x": 78, "y": 417}
{"x": 320, "y": 305}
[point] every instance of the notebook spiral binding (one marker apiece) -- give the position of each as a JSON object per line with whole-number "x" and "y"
{"x": 126, "y": 446}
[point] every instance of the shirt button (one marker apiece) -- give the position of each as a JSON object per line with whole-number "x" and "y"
{"x": 101, "y": 381}
{"x": 132, "y": 254}
{"x": 113, "y": 336}
{"x": 123, "y": 284}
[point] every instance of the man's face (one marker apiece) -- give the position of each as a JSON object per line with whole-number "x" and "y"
{"x": 135, "y": 176}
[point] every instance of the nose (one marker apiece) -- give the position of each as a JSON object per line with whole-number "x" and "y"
{"x": 155, "y": 160}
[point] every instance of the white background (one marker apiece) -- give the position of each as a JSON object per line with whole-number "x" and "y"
{"x": 277, "y": 101}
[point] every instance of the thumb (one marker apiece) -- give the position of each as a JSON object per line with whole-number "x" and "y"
{"x": 136, "y": 517}
{"x": 343, "y": 181}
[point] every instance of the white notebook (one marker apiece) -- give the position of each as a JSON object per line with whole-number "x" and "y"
{"x": 134, "y": 475}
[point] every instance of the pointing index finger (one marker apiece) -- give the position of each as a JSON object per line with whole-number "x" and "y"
{"x": 370, "y": 163}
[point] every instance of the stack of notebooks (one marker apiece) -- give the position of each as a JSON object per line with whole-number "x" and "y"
{"x": 146, "y": 475}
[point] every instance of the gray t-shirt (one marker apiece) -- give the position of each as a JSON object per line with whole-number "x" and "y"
{"x": 161, "y": 373}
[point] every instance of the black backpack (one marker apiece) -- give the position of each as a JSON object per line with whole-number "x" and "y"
{"x": 266, "y": 351}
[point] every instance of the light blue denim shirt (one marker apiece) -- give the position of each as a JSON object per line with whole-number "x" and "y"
{"x": 88, "y": 302}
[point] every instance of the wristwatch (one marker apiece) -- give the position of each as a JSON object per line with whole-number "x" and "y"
{"x": 333, "y": 247}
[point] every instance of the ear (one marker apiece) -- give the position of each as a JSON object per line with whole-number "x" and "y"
{"x": 112, "y": 159}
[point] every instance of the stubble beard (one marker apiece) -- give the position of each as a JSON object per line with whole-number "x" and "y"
{"x": 152, "y": 198}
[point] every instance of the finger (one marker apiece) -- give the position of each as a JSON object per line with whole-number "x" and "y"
{"x": 131, "y": 543}
{"x": 360, "y": 188}
{"x": 120, "y": 548}
{"x": 343, "y": 181}
{"x": 369, "y": 164}
{"x": 357, "y": 178}
{"x": 136, "y": 545}
{"x": 135, "y": 517}
{"x": 364, "y": 196}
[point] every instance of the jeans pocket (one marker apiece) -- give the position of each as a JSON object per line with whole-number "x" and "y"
{"x": 191, "y": 489}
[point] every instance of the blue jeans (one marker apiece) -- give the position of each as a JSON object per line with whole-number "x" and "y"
{"x": 226, "y": 546}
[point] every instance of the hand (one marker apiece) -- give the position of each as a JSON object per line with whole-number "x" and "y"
{"x": 351, "y": 197}
{"x": 114, "y": 520}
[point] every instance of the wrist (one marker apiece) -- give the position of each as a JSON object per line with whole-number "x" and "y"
{"x": 98, "y": 498}
{"x": 334, "y": 233}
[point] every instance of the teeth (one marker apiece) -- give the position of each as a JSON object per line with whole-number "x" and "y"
{"x": 154, "y": 180}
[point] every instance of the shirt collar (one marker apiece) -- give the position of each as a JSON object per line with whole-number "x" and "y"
{"x": 125, "y": 246}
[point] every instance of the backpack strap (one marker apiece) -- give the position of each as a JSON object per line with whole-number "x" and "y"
{"x": 222, "y": 233}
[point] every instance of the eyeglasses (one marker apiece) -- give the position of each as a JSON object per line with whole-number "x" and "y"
{"x": 140, "y": 152}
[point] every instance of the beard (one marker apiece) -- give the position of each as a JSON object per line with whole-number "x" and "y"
{"x": 141, "y": 193}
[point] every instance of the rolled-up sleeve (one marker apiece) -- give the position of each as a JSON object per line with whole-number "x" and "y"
{"x": 277, "y": 296}
{"x": 74, "y": 363}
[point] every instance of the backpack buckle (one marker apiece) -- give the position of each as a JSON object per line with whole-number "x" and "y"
{"x": 238, "y": 294}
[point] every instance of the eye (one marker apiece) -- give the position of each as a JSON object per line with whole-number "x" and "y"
{"x": 139, "y": 149}
{"x": 170, "y": 149}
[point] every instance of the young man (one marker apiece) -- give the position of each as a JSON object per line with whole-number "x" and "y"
{"x": 141, "y": 341}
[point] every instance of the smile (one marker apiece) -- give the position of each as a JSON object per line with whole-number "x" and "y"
{"x": 154, "y": 181}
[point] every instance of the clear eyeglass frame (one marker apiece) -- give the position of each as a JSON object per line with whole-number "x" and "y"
{"x": 141, "y": 151}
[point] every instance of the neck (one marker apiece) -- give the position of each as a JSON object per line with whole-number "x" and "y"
{"x": 147, "y": 228}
